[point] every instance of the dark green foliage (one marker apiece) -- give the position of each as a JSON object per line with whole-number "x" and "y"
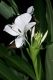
{"x": 10, "y": 62}
{"x": 14, "y": 66}
{"x": 49, "y": 50}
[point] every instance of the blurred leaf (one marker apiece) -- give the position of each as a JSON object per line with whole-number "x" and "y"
{"x": 14, "y": 6}
{"x": 2, "y": 77}
{"x": 7, "y": 72}
{"x": 21, "y": 65}
{"x": 7, "y": 52}
{"x": 49, "y": 17}
{"x": 6, "y": 10}
{"x": 38, "y": 68}
{"x": 49, "y": 50}
{"x": 16, "y": 62}
{"x": 49, "y": 62}
{"x": 4, "y": 51}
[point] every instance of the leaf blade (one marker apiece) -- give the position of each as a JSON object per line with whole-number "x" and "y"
{"x": 6, "y": 11}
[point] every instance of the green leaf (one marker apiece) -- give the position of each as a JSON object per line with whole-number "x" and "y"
{"x": 49, "y": 17}
{"x": 49, "y": 62}
{"x": 49, "y": 50}
{"x": 19, "y": 64}
{"x": 16, "y": 62}
{"x": 38, "y": 68}
{"x": 4, "y": 51}
{"x": 14, "y": 6}
{"x": 7, "y": 72}
{"x": 6, "y": 11}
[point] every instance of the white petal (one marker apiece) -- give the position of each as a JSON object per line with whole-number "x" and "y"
{"x": 19, "y": 41}
{"x": 32, "y": 33}
{"x": 9, "y": 30}
{"x": 22, "y": 20}
{"x": 30, "y": 25}
{"x": 30, "y": 10}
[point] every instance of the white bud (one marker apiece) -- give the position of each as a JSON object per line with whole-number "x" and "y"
{"x": 45, "y": 35}
{"x": 30, "y": 10}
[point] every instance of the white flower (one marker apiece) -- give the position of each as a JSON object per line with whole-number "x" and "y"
{"x": 19, "y": 28}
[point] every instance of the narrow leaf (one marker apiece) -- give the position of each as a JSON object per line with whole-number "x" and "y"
{"x": 49, "y": 62}
{"x": 7, "y": 72}
{"x": 49, "y": 17}
{"x": 6, "y": 11}
{"x": 49, "y": 50}
{"x": 14, "y": 6}
{"x": 19, "y": 64}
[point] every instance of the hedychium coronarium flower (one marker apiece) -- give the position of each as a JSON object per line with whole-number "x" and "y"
{"x": 19, "y": 28}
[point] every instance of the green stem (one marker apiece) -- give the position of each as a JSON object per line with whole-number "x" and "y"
{"x": 36, "y": 63}
{"x": 35, "y": 68}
